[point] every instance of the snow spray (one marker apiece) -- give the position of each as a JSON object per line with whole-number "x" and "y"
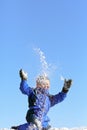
{"x": 44, "y": 64}
{"x": 46, "y": 69}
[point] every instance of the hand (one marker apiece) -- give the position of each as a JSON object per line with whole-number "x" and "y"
{"x": 23, "y": 75}
{"x": 67, "y": 85}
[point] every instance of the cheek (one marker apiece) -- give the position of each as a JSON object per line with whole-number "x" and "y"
{"x": 46, "y": 86}
{"x": 42, "y": 86}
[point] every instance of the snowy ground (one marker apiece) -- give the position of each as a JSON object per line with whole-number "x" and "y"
{"x": 75, "y": 128}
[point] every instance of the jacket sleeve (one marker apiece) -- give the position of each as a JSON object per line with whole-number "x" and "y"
{"x": 24, "y": 88}
{"x": 55, "y": 99}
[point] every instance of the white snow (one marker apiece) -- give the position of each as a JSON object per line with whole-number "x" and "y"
{"x": 46, "y": 69}
{"x": 75, "y": 128}
{"x": 64, "y": 128}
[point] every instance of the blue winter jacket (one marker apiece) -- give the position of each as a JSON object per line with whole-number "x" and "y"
{"x": 40, "y": 101}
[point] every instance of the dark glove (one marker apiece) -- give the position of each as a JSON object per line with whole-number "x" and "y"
{"x": 67, "y": 85}
{"x": 23, "y": 75}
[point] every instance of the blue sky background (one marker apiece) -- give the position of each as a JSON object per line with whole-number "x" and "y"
{"x": 59, "y": 29}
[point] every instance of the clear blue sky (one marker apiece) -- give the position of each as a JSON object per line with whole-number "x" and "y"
{"x": 59, "y": 29}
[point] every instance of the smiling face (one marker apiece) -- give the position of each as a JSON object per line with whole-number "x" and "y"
{"x": 43, "y": 82}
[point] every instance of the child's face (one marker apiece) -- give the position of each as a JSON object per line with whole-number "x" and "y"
{"x": 45, "y": 84}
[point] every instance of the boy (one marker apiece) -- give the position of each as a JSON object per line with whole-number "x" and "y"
{"x": 40, "y": 101}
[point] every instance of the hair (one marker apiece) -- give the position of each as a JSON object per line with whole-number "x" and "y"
{"x": 41, "y": 79}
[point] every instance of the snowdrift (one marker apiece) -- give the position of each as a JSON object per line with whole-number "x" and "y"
{"x": 64, "y": 128}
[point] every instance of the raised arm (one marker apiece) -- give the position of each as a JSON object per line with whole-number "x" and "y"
{"x": 25, "y": 89}
{"x": 55, "y": 99}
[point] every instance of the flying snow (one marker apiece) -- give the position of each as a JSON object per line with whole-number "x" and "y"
{"x": 46, "y": 69}
{"x": 76, "y": 128}
{"x": 44, "y": 64}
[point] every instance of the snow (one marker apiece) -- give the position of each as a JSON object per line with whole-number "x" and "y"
{"x": 64, "y": 128}
{"x": 75, "y": 128}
